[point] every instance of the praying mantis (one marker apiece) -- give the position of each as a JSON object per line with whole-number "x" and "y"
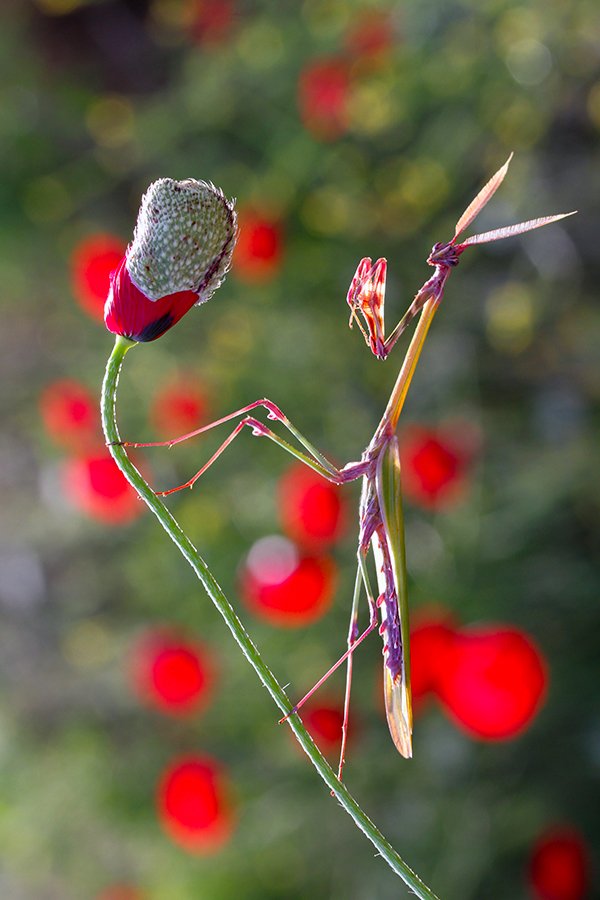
{"x": 381, "y": 524}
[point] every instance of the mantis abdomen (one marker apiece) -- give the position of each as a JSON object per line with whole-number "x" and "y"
{"x": 388, "y": 549}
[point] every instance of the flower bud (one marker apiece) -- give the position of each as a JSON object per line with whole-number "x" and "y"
{"x": 180, "y": 254}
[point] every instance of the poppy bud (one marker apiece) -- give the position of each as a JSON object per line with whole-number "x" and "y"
{"x": 181, "y": 252}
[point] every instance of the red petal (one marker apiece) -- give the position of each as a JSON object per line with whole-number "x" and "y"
{"x": 130, "y": 313}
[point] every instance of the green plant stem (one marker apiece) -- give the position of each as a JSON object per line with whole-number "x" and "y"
{"x": 178, "y": 536}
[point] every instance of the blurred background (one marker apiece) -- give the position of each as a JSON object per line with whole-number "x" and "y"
{"x": 140, "y": 758}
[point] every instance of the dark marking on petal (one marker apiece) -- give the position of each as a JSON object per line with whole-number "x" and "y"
{"x": 155, "y": 329}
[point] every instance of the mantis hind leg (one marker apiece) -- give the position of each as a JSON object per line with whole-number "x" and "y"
{"x": 353, "y": 643}
{"x": 362, "y": 579}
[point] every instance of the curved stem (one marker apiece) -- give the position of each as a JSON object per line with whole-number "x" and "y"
{"x": 178, "y": 536}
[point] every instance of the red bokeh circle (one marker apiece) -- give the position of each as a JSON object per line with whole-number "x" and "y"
{"x": 323, "y": 97}
{"x": 435, "y": 465}
{"x": 92, "y": 261}
{"x": 495, "y": 681}
{"x": 323, "y": 719}
{"x": 431, "y": 637}
{"x": 370, "y": 37}
{"x": 70, "y": 414}
{"x": 94, "y": 484}
{"x": 259, "y": 249}
{"x": 194, "y": 804}
{"x": 559, "y": 865}
{"x": 171, "y": 672}
{"x": 284, "y": 587}
{"x": 211, "y": 21}
{"x": 311, "y": 509}
{"x": 178, "y": 407}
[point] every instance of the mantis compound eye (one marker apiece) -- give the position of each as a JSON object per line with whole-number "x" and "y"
{"x": 444, "y": 254}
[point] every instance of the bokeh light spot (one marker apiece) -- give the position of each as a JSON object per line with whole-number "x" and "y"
{"x": 258, "y": 253}
{"x": 178, "y": 407}
{"x": 520, "y": 123}
{"x": 46, "y": 200}
{"x": 559, "y": 865}
{"x": 323, "y": 720}
{"x": 88, "y": 644}
{"x": 495, "y": 681}
{"x": 110, "y": 121}
{"x": 323, "y": 91}
{"x": 528, "y": 61}
{"x": 284, "y": 587}
{"x": 261, "y": 45}
{"x": 171, "y": 672}
{"x": 327, "y": 210}
{"x": 370, "y": 36}
{"x": 371, "y": 107}
{"x": 311, "y": 509}
{"x": 434, "y": 466}
{"x": 194, "y": 804}
{"x": 93, "y": 260}
{"x": 431, "y": 638}
{"x": 94, "y": 484}
{"x": 510, "y": 318}
{"x": 210, "y": 22}
{"x": 70, "y": 414}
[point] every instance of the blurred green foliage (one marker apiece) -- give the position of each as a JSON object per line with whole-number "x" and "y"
{"x": 98, "y": 99}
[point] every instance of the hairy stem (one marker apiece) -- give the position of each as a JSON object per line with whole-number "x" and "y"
{"x": 183, "y": 543}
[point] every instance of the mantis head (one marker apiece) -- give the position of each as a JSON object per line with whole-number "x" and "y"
{"x": 367, "y": 289}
